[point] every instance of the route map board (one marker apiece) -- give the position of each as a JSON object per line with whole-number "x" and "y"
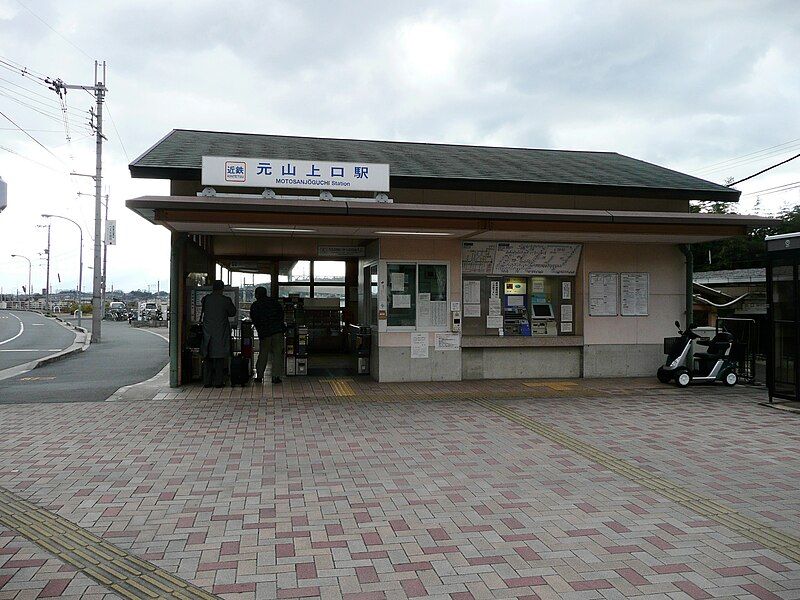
{"x": 519, "y": 258}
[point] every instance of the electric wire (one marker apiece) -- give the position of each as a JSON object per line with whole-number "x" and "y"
{"x": 24, "y": 72}
{"x": 40, "y": 144}
{"x": 119, "y": 137}
{"x": 783, "y": 162}
{"x": 41, "y": 164}
{"x": 59, "y": 34}
{"x": 769, "y": 189}
{"x": 736, "y": 158}
{"x": 42, "y": 105}
{"x": 754, "y": 160}
{"x": 52, "y": 116}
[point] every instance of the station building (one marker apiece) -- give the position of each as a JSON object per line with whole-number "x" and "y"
{"x": 462, "y": 262}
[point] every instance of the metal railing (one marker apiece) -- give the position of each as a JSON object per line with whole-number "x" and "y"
{"x": 746, "y": 333}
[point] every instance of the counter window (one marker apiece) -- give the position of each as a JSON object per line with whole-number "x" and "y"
{"x": 401, "y": 295}
{"x": 416, "y": 296}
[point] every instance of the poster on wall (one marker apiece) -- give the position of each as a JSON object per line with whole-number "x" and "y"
{"x": 519, "y": 258}
{"x": 446, "y": 341}
{"x": 472, "y": 310}
{"x": 634, "y": 294}
{"x": 419, "y": 345}
{"x": 472, "y": 291}
{"x": 603, "y": 294}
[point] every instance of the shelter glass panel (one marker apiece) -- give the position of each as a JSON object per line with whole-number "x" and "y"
{"x": 290, "y": 271}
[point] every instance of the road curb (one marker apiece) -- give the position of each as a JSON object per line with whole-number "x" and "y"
{"x": 82, "y": 342}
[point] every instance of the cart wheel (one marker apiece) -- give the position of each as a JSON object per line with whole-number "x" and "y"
{"x": 730, "y": 378}
{"x": 663, "y": 375}
{"x": 683, "y": 378}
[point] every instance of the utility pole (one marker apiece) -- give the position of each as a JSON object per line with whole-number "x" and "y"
{"x": 98, "y": 89}
{"x": 30, "y": 293}
{"x": 47, "y": 278}
{"x": 105, "y": 262}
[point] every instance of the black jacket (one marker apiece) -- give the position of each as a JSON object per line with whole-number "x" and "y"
{"x": 267, "y": 317}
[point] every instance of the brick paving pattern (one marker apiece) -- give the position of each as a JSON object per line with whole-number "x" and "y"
{"x": 298, "y": 497}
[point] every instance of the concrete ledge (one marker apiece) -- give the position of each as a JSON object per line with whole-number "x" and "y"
{"x": 519, "y": 341}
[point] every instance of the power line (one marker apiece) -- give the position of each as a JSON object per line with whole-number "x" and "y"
{"x": 30, "y": 159}
{"x": 119, "y": 137}
{"x": 783, "y": 162}
{"x": 45, "y": 148}
{"x": 59, "y": 34}
{"x": 755, "y": 159}
{"x": 24, "y": 71}
{"x": 777, "y": 188}
{"x": 16, "y": 96}
{"x": 57, "y": 118}
{"x": 735, "y": 158}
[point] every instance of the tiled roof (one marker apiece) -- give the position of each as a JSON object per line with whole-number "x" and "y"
{"x": 444, "y": 166}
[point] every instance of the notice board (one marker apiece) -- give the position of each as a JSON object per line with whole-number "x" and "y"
{"x": 519, "y": 258}
{"x": 603, "y": 294}
{"x": 634, "y": 294}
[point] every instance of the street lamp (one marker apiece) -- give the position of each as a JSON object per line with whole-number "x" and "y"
{"x": 29, "y": 275}
{"x": 80, "y": 267}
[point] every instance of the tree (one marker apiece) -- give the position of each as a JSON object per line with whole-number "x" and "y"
{"x": 742, "y": 252}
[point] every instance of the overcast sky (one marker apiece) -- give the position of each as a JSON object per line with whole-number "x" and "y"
{"x": 686, "y": 85}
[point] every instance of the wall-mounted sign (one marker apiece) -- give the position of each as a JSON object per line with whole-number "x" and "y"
{"x": 340, "y": 251}
{"x": 294, "y": 174}
{"x": 603, "y": 294}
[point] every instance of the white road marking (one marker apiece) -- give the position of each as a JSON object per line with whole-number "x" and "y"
{"x": 21, "y": 329}
{"x": 163, "y": 337}
{"x": 38, "y": 324}
{"x": 33, "y": 350}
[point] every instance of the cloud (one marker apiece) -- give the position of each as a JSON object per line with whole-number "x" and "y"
{"x": 681, "y": 84}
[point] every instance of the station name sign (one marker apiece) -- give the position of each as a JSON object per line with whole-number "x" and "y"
{"x": 294, "y": 174}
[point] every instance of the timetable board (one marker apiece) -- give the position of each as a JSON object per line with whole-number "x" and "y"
{"x": 519, "y": 258}
{"x": 603, "y": 294}
{"x": 634, "y": 294}
{"x": 197, "y": 294}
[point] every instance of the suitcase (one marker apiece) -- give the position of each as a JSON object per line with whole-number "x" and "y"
{"x": 240, "y": 370}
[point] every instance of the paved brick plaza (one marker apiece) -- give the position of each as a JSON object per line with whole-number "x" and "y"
{"x": 394, "y": 497}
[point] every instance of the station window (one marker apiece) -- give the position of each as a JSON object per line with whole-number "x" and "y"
{"x": 291, "y": 271}
{"x": 417, "y": 295}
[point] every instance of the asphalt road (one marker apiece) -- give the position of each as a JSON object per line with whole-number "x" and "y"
{"x": 25, "y": 336}
{"x": 125, "y": 356}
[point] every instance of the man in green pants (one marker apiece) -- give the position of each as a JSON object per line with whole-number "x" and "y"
{"x": 267, "y": 316}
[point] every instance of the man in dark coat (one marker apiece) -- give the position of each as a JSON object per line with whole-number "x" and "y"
{"x": 267, "y": 316}
{"x": 216, "y": 346}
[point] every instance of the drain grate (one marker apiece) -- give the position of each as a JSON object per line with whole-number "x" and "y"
{"x": 758, "y": 532}
{"x": 110, "y": 566}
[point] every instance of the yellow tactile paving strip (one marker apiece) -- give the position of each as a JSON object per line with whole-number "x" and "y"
{"x": 112, "y": 567}
{"x": 763, "y": 534}
{"x": 341, "y": 387}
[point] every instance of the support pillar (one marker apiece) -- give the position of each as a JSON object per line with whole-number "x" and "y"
{"x": 177, "y": 279}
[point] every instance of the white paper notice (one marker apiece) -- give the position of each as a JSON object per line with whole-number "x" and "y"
{"x": 495, "y": 308}
{"x": 537, "y": 285}
{"x": 516, "y": 300}
{"x": 446, "y": 341}
{"x": 566, "y": 327}
{"x": 566, "y": 290}
{"x": 455, "y": 306}
{"x": 398, "y": 282}
{"x": 401, "y": 300}
{"x": 438, "y": 314}
{"x": 472, "y": 310}
{"x": 634, "y": 292}
{"x": 566, "y": 312}
{"x": 472, "y": 292}
{"x": 419, "y": 345}
{"x": 494, "y": 287}
{"x": 603, "y": 294}
{"x": 424, "y": 309}
{"x": 494, "y": 322}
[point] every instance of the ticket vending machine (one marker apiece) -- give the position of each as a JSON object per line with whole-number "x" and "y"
{"x": 296, "y": 350}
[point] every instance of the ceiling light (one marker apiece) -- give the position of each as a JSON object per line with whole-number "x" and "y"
{"x": 436, "y": 233}
{"x": 271, "y": 230}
